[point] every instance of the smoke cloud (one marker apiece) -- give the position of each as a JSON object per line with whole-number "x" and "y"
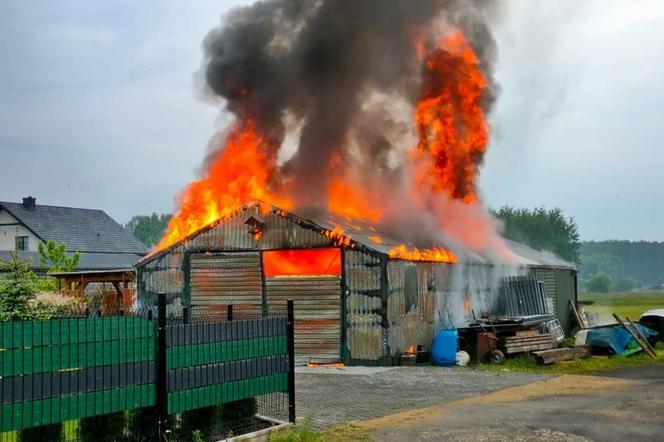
{"x": 340, "y": 81}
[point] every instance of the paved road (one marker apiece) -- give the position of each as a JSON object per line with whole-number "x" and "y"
{"x": 332, "y": 396}
{"x": 625, "y": 406}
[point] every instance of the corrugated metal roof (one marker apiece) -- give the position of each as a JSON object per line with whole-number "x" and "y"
{"x": 84, "y": 230}
{"x": 366, "y": 235}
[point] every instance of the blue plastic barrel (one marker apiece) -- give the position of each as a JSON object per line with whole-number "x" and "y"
{"x": 444, "y": 347}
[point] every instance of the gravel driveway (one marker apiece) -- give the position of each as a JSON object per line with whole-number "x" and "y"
{"x": 333, "y": 396}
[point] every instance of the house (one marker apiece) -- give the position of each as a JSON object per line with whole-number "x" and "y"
{"x": 102, "y": 243}
{"x": 355, "y": 302}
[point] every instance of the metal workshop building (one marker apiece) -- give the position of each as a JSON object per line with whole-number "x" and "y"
{"x": 353, "y": 302}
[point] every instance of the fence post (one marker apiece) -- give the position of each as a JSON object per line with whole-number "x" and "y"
{"x": 229, "y": 312}
{"x": 162, "y": 392}
{"x": 290, "y": 325}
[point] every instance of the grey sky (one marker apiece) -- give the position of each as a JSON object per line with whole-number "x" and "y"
{"x": 99, "y": 107}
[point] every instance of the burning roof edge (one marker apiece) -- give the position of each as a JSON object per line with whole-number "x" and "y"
{"x": 345, "y": 234}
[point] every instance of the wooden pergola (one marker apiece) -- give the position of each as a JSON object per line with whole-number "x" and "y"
{"x": 75, "y": 282}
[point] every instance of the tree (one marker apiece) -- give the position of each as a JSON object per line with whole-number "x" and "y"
{"x": 600, "y": 283}
{"x": 17, "y": 290}
{"x": 625, "y": 285}
{"x": 148, "y": 228}
{"x": 542, "y": 229}
{"x": 53, "y": 256}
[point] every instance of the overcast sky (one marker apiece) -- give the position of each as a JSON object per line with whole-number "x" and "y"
{"x": 99, "y": 107}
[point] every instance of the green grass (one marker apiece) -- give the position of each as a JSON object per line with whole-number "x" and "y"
{"x": 303, "y": 433}
{"x": 631, "y": 304}
{"x": 591, "y": 365}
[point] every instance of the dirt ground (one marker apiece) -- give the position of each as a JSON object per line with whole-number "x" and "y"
{"x": 623, "y": 406}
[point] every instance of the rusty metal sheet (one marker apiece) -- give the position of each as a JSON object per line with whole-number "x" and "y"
{"x": 317, "y": 313}
{"x": 226, "y": 278}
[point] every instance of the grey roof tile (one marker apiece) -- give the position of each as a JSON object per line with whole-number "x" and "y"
{"x": 84, "y": 230}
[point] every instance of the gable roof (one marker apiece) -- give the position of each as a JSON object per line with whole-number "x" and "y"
{"x": 361, "y": 236}
{"x": 82, "y": 230}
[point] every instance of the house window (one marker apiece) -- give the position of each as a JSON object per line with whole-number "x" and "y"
{"x": 21, "y": 243}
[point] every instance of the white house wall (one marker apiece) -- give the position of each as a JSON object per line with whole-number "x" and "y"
{"x": 10, "y": 228}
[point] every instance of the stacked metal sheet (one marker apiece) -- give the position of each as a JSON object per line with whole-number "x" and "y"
{"x": 523, "y": 296}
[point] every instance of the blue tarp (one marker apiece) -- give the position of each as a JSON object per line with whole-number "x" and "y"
{"x": 615, "y": 337}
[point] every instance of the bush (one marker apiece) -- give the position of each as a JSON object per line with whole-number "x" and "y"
{"x": 43, "y": 433}
{"x": 104, "y": 428}
{"x": 600, "y": 283}
{"x": 204, "y": 420}
{"x": 625, "y": 285}
{"x": 238, "y": 415}
{"x": 142, "y": 424}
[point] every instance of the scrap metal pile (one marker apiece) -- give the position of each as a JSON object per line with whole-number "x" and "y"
{"x": 521, "y": 323}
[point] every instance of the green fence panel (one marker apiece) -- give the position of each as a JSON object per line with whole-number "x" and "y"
{"x": 58, "y": 344}
{"x": 210, "y": 353}
{"x": 73, "y": 331}
{"x": 71, "y": 356}
{"x": 184, "y": 400}
{"x": 33, "y": 413}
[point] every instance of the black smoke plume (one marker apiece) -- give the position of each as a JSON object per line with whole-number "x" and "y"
{"x": 320, "y": 61}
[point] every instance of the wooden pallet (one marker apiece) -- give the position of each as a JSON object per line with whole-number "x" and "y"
{"x": 561, "y": 354}
{"x": 524, "y": 344}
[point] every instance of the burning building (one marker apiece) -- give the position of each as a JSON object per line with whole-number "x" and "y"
{"x": 369, "y": 121}
{"x": 356, "y": 299}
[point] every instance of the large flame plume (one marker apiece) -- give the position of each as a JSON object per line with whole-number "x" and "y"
{"x": 351, "y": 160}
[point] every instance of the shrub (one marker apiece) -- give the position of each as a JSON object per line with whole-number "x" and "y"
{"x": 204, "y": 420}
{"x": 104, "y": 428}
{"x": 43, "y": 433}
{"x": 142, "y": 424}
{"x": 600, "y": 283}
{"x": 238, "y": 415}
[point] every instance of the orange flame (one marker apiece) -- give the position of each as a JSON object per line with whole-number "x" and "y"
{"x": 453, "y": 136}
{"x": 466, "y": 305}
{"x": 453, "y": 133}
{"x": 411, "y": 350}
{"x": 302, "y": 262}
{"x": 435, "y": 254}
{"x": 345, "y": 200}
{"x": 241, "y": 172}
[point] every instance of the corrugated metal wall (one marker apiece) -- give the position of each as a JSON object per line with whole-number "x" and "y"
{"x": 366, "y": 338}
{"x": 416, "y": 291}
{"x": 226, "y": 278}
{"x": 317, "y": 313}
{"x": 548, "y": 277}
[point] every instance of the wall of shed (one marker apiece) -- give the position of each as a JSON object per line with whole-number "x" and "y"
{"x": 560, "y": 287}
{"x": 167, "y": 273}
{"x": 392, "y": 305}
{"x": 566, "y": 283}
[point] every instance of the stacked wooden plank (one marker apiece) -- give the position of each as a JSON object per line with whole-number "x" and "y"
{"x": 524, "y": 344}
{"x": 561, "y": 354}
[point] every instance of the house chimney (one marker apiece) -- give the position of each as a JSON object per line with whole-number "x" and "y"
{"x": 30, "y": 203}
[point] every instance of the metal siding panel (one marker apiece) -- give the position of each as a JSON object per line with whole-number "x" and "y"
{"x": 225, "y": 278}
{"x": 317, "y": 312}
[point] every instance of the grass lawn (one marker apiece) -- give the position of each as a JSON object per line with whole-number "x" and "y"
{"x": 631, "y": 304}
{"x": 590, "y": 365}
